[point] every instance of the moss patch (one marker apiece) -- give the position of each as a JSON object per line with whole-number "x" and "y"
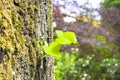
{"x": 18, "y": 20}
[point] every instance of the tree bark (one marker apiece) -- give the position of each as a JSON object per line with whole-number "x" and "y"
{"x": 22, "y": 23}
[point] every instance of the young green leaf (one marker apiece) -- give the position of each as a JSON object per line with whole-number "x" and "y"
{"x": 59, "y": 33}
{"x": 62, "y": 40}
{"x": 53, "y": 49}
{"x": 66, "y": 37}
{"x": 70, "y": 36}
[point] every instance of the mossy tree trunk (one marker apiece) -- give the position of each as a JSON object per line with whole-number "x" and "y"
{"x": 22, "y": 23}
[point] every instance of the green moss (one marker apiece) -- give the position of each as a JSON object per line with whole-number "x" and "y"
{"x": 17, "y": 28}
{"x": 19, "y": 22}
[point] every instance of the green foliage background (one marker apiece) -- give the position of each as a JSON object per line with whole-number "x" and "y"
{"x": 111, "y": 4}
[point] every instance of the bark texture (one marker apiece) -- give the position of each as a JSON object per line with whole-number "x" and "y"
{"x": 22, "y": 23}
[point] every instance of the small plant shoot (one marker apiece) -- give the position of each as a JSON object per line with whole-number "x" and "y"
{"x": 53, "y": 48}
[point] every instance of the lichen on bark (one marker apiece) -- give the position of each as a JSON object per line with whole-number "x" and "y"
{"x": 19, "y": 27}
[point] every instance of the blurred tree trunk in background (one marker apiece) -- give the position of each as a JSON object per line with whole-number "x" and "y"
{"x": 22, "y": 23}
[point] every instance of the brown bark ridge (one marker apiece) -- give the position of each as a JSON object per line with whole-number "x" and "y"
{"x": 22, "y": 23}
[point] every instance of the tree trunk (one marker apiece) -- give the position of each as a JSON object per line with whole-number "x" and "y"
{"x": 22, "y": 23}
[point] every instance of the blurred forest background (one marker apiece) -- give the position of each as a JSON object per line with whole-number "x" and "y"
{"x": 97, "y": 56}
